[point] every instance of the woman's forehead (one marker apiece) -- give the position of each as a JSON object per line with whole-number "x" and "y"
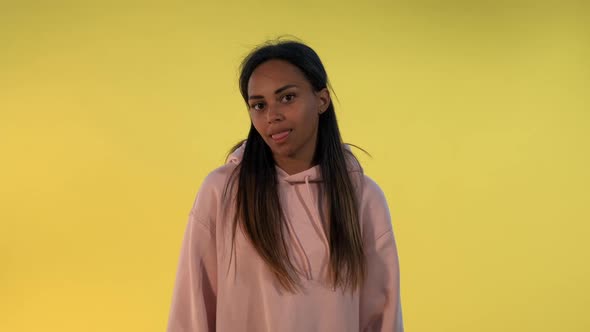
{"x": 274, "y": 74}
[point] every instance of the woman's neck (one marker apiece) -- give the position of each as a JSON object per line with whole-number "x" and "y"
{"x": 294, "y": 166}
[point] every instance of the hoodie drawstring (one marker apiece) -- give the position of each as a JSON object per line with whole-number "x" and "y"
{"x": 300, "y": 250}
{"x": 317, "y": 221}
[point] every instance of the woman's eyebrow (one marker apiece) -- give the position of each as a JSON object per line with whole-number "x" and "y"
{"x": 277, "y": 91}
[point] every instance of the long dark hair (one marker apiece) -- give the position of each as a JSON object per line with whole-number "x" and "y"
{"x": 258, "y": 209}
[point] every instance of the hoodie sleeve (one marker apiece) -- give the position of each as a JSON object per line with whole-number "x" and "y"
{"x": 380, "y": 300}
{"x": 194, "y": 297}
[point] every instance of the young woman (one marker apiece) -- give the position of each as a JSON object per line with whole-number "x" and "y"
{"x": 288, "y": 235}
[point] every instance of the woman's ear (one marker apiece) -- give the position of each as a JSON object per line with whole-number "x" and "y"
{"x": 324, "y": 100}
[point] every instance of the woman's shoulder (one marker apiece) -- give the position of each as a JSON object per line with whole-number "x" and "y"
{"x": 211, "y": 191}
{"x": 374, "y": 209}
{"x": 216, "y": 180}
{"x": 370, "y": 191}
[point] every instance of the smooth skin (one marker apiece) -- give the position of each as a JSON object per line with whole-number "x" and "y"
{"x": 283, "y": 104}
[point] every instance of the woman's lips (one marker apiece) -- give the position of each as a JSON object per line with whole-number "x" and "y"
{"x": 279, "y": 137}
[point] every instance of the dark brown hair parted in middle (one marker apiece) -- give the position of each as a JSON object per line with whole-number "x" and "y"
{"x": 258, "y": 209}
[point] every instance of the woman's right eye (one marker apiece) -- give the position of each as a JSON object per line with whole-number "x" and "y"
{"x": 257, "y": 106}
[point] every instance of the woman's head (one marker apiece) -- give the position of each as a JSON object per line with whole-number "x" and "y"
{"x": 285, "y": 87}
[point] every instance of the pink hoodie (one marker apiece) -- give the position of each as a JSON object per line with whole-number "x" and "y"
{"x": 212, "y": 295}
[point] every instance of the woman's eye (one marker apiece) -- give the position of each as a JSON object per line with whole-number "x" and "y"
{"x": 257, "y": 106}
{"x": 288, "y": 97}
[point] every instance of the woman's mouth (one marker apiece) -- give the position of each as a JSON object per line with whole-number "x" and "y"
{"x": 280, "y": 137}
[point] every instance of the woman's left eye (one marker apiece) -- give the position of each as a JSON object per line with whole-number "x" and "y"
{"x": 288, "y": 97}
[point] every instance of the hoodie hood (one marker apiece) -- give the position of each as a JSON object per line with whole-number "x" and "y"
{"x": 299, "y": 188}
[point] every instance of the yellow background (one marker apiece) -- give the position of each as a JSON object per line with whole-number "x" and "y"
{"x": 476, "y": 114}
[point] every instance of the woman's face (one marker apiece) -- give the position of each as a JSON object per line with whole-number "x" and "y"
{"x": 285, "y": 110}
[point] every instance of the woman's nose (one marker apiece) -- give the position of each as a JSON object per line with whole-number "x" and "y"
{"x": 274, "y": 114}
